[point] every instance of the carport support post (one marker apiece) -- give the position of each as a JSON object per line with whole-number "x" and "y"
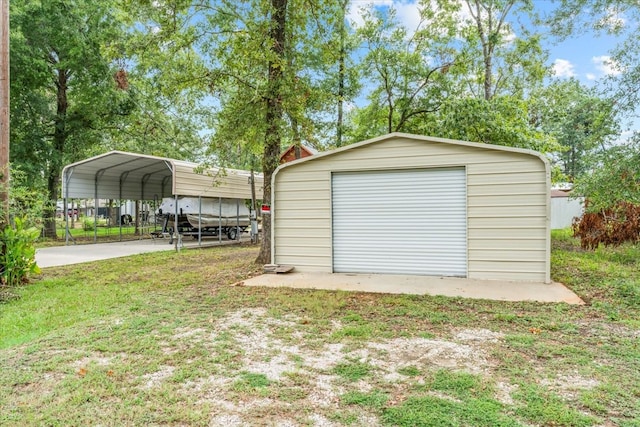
{"x": 238, "y": 219}
{"x": 144, "y": 223}
{"x": 141, "y": 211}
{"x": 123, "y": 176}
{"x": 96, "y": 204}
{"x": 120, "y": 211}
{"x": 66, "y": 221}
{"x": 175, "y": 226}
{"x": 95, "y": 218}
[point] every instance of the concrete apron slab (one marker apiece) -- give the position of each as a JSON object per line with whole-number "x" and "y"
{"x": 421, "y": 285}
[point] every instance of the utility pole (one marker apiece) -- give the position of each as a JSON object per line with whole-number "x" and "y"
{"x": 4, "y": 113}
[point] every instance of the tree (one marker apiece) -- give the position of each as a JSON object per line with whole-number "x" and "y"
{"x": 465, "y": 74}
{"x": 342, "y": 59}
{"x": 166, "y": 81}
{"x": 582, "y": 122}
{"x": 614, "y": 178}
{"x": 501, "y": 61}
{"x": 503, "y": 120}
{"x": 63, "y": 89}
{"x": 274, "y": 112}
{"x": 267, "y": 62}
{"x": 341, "y": 76}
{"x": 410, "y": 72}
{"x": 502, "y": 66}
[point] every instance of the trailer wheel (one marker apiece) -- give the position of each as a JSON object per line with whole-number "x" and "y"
{"x": 232, "y": 234}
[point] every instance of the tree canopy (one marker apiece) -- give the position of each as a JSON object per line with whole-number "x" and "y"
{"x": 235, "y": 82}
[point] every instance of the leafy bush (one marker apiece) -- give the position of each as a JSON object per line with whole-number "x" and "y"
{"x": 88, "y": 224}
{"x": 17, "y": 253}
{"x": 27, "y": 200}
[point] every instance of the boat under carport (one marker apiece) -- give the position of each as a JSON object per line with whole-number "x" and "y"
{"x": 121, "y": 176}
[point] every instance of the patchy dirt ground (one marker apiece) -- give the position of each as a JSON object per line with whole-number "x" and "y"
{"x": 276, "y": 353}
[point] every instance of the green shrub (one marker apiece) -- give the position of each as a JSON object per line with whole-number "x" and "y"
{"x": 27, "y": 198}
{"x": 17, "y": 253}
{"x": 88, "y": 224}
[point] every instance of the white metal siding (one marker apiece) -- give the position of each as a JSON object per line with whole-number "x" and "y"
{"x": 400, "y": 222}
{"x": 564, "y": 210}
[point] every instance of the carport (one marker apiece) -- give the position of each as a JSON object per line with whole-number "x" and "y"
{"x": 120, "y": 175}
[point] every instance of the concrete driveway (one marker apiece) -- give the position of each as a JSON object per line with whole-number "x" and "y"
{"x": 76, "y": 254}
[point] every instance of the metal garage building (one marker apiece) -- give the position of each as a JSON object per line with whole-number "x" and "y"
{"x": 120, "y": 175}
{"x": 408, "y": 204}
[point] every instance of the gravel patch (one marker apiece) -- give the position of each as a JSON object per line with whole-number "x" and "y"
{"x": 427, "y": 353}
{"x": 568, "y": 386}
{"x": 504, "y": 391}
{"x": 156, "y": 378}
{"x": 478, "y": 335}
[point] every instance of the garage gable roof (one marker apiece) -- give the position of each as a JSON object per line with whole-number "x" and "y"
{"x": 122, "y": 175}
{"x": 422, "y": 138}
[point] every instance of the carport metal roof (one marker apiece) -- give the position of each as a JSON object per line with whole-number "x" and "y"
{"x": 130, "y": 176}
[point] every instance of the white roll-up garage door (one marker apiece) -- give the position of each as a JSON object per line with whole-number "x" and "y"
{"x": 400, "y": 222}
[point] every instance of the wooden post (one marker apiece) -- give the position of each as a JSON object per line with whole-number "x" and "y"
{"x": 4, "y": 113}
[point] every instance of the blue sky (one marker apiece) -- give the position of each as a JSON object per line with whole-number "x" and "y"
{"x": 585, "y": 57}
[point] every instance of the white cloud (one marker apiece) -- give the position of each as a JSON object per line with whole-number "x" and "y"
{"x": 591, "y": 76}
{"x": 407, "y": 12}
{"x": 563, "y": 68}
{"x": 409, "y": 15}
{"x": 606, "y": 65}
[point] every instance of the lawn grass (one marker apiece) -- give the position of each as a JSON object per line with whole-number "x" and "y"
{"x": 103, "y": 234}
{"x": 164, "y": 338}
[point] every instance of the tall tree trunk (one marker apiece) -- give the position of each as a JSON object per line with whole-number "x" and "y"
{"x": 488, "y": 77}
{"x": 341, "y": 76}
{"x": 297, "y": 140}
{"x": 489, "y": 27}
{"x": 111, "y": 213}
{"x": 55, "y": 162}
{"x": 273, "y": 116}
